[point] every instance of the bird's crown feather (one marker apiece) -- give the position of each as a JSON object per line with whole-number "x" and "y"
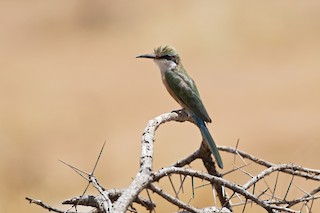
{"x": 167, "y": 52}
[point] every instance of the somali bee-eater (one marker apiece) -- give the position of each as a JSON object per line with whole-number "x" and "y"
{"x": 183, "y": 89}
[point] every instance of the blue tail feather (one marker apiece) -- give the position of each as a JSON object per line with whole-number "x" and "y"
{"x": 208, "y": 138}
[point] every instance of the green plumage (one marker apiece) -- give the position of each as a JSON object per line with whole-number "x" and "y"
{"x": 187, "y": 93}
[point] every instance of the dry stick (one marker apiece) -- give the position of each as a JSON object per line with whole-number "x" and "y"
{"x": 179, "y": 203}
{"x": 288, "y": 189}
{"x": 172, "y": 199}
{"x": 144, "y": 176}
{"x": 234, "y": 187}
{"x": 107, "y": 205}
{"x": 307, "y": 197}
{"x": 45, "y": 206}
{"x": 311, "y": 174}
{"x": 266, "y": 172}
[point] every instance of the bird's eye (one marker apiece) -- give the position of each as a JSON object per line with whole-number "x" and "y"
{"x": 170, "y": 58}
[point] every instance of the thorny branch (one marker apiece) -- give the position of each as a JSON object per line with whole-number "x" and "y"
{"x": 122, "y": 200}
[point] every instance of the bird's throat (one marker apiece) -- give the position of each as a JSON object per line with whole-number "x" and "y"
{"x": 165, "y": 65}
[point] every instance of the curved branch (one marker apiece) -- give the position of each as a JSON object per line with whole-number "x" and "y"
{"x": 212, "y": 179}
{"x": 181, "y": 204}
{"x": 312, "y": 174}
{"x": 144, "y": 176}
{"x": 265, "y": 173}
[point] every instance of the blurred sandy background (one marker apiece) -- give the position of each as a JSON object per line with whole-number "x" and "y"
{"x": 69, "y": 81}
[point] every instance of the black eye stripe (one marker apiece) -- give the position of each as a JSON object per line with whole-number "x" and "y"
{"x": 167, "y": 57}
{"x": 170, "y": 58}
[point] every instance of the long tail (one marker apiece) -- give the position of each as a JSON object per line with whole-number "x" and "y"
{"x": 208, "y": 138}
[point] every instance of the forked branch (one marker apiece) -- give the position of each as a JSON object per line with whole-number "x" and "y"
{"x": 257, "y": 189}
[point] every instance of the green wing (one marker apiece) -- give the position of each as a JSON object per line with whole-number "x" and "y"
{"x": 186, "y": 91}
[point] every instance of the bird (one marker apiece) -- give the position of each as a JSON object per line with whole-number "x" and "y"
{"x": 184, "y": 91}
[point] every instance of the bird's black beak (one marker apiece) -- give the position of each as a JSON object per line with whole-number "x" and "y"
{"x": 152, "y": 56}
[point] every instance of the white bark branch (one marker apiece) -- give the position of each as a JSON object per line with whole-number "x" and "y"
{"x": 120, "y": 200}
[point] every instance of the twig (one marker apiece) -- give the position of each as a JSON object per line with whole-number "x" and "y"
{"x": 45, "y": 206}
{"x": 312, "y": 174}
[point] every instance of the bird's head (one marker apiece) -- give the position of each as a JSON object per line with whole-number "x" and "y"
{"x": 165, "y": 57}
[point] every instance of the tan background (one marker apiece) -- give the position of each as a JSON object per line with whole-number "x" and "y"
{"x": 69, "y": 81}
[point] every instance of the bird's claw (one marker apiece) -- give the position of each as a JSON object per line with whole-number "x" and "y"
{"x": 182, "y": 112}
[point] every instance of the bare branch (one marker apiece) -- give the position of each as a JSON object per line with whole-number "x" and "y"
{"x": 312, "y": 174}
{"x": 256, "y": 189}
{"x": 43, "y": 205}
{"x": 144, "y": 175}
{"x": 173, "y": 170}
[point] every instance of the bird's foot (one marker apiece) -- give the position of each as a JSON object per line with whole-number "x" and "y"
{"x": 181, "y": 112}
